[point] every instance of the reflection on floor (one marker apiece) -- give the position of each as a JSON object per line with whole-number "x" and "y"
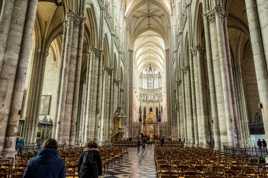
{"x": 135, "y": 165}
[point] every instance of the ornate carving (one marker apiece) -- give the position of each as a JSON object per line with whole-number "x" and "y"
{"x": 179, "y": 82}
{"x": 76, "y": 18}
{"x": 194, "y": 51}
{"x": 210, "y": 15}
{"x": 109, "y": 70}
{"x": 217, "y": 10}
{"x": 116, "y": 81}
{"x": 97, "y": 52}
{"x": 185, "y": 69}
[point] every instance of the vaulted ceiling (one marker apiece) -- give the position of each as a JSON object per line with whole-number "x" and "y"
{"x": 143, "y": 15}
{"x": 149, "y": 49}
{"x": 149, "y": 28}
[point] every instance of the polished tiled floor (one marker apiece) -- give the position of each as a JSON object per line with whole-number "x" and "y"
{"x": 135, "y": 165}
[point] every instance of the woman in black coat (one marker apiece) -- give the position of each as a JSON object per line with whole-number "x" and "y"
{"x": 89, "y": 165}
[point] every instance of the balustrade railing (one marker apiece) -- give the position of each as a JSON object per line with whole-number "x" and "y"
{"x": 250, "y": 151}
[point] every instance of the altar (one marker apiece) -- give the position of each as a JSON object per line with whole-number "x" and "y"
{"x": 151, "y": 126}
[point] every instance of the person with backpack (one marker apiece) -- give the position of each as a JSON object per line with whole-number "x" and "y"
{"x": 90, "y": 165}
{"x": 47, "y": 164}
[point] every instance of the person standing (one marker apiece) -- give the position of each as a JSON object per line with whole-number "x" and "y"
{"x": 143, "y": 143}
{"x": 38, "y": 143}
{"x": 89, "y": 165}
{"x": 138, "y": 145}
{"x": 264, "y": 145}
{"x": 19, "y": 145}
{"x": 162, "y": 141}
{"x": 47, "y": 164}
{"x": 259, "y": 143}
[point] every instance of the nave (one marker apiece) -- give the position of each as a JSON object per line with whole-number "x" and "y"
{"x": 135, "y": 165}
{"x": 170, "y": 160}
{"x": 109, "y": 71}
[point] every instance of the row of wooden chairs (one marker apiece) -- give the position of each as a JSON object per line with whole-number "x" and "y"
{"x": 14, "y": 167}
{"x": 125, "y": 143}
{"x": 187, "y": 162}
{"x": 109, "y": 156}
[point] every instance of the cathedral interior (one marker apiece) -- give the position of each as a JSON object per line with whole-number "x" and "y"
{"x": 191, "y": 72}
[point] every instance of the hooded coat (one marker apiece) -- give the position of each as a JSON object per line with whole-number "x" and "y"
{"x": 90, "y": 165}
{"x": 47, "y": 164}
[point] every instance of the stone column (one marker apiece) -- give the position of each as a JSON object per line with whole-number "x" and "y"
{"x": 8, "y": 146}
{"x": 5, "y": 25}
{"x": 35, "y": 92}
{"x": 87, "y": 95}
{"x": 83, "y": 115}
{"x": 192, "y": 75}
{"x": 189, "y": 116}
{"x": 222, "y": 74}
{"x": 102, "y": 105}
{"x": 181, "y": 94}
{"x": 78, "y": 66}
{"x": 211, "y": 78}
{"x": 99, "y": 95}
{"x": 169, "y": 92}
{"x": 218, "y": 87}
{"x": 92, "y": 96}
{"x": 107, "y": 108}
{"x": 71, "y": 61}
{"x": 194, "y": 101}
{"x": 262, "y": 7}
{"x": 130, "y": 69}
{"x": 106, "y": 105}
{"x": 202, "y": 126}
{"x": 65, "y": 54}
{"x": 110, "y": 116}
{"x": 260, "y": 60}
{"x": 99, "y": 57}
{"x": 185, "y": 128}
{"x": 15, "y": 48}
{"x": 178, "y": 109}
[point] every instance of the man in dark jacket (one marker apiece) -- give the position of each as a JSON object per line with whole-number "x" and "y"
{"x": 259, "y": 143}
{"x": 90, "y": 165}
{"x": 47, "y": 164}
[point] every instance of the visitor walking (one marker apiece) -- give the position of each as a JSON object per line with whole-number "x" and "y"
{"x": 138, "y": 145}
{"x": 264, "y": 144}
{"x": 143, "y": 143}
{"x": 19, "y": 145}
{"x": 38, "y": 143}
{"x": 47, "y": 164}
{"x": 162, "y": 141}
{"x": 89, "y": 165}
{"x": 259, "y": 143}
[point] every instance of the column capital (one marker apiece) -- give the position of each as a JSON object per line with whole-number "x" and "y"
{"x": 74, "y": 17}
{"x": 216, "y": 10}
{"x": 179, "y": 82}
{"x": 116, "y": 81}
{"x": 109, "y": 70}
{"x": 87, "y": 52}
{"x": 194, "y": 51}
{"x": 185, "y": 68}
{"x": 197, "y": 49}
{"x": 97, "y": 52}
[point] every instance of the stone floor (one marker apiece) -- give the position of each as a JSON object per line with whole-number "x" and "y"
{"x": 135, "y": 165}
